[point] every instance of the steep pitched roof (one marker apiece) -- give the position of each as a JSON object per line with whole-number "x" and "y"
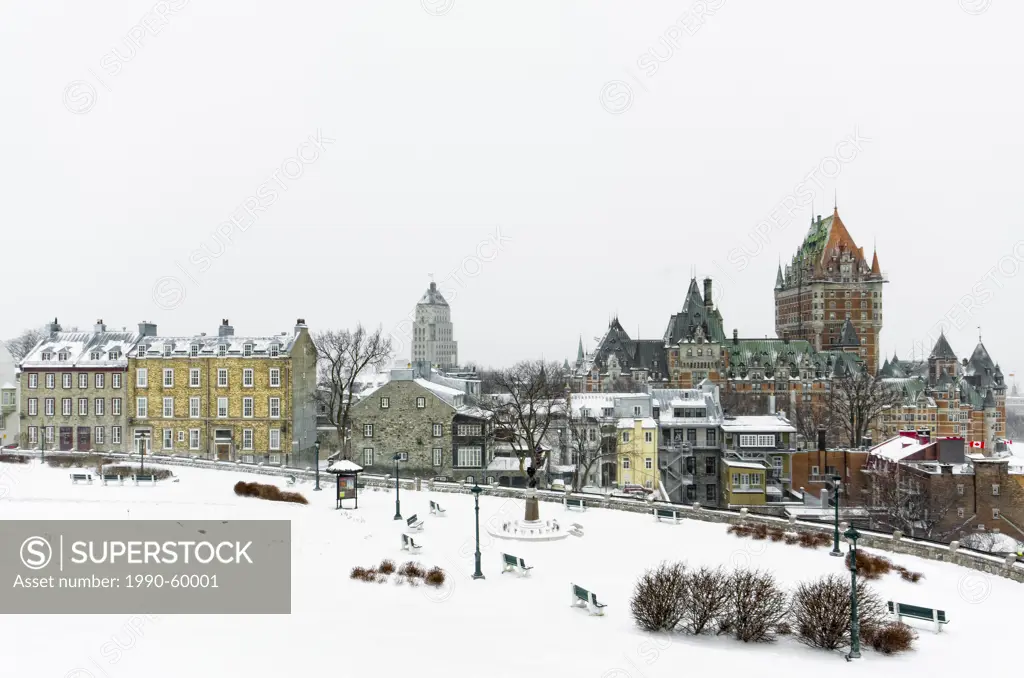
{"x": 990, "y": 400}
{"x": 683, "y": 326}
{"x": 849, "y": 337}
{"x": 875, "y": 268}
{"x": 433, "y": 296}
{"x": 779, "y": 283}
{"x": 942, "y": 350}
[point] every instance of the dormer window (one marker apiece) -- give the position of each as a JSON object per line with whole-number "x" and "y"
{"x": 47, "y": 355}
{"x": 194, "y": 350}
{"x": 275, "y": 350}
{"x": 63, "y": 355}
{"x": 246, "y": 350}
{"x": 95, "y": 355}
{"x": 167, "y": 350}
{"x": 114, "y": 354}
{"x": 142, "y": 350}
{"x": 222, "y": 349}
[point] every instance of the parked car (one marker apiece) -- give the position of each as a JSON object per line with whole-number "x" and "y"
{"x": 629, "y": 488}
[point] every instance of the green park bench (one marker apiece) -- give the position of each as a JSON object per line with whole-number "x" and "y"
{"x": 570, "y": 503}
{"x": 144, "y": 478}
{"x": 582, "y": 597}
{"x": 901, "y": 610}
{"x": 81, "y": 477}
{"x": 112, "y": 478}
{"x": 414, "y": 523}
{"x": 667, "y": 514}
{"x": 409, "y": 544}
{"x": 511, "y": 563}
{"x": 436, "y": 509}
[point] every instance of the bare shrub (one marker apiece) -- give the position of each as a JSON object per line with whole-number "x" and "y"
{"x": 821, "y": 611}
{"x": 776, "y": 534}
{"x": 892, "y": 638}
{"x": 739, "y": 530}
{"x": 708, "y": 597}
{"x": 756, "y": 607}
{"x": 13, "y": 459}
{"x": 870, "y": 566}
{"x": 659, "y": 597}
{"x": 759, "y": 531}
{"x": 268, "y": 492}
{"x": 822, "y": 539}
{"x": 791, "y": 538}
{"x": 386, "y": 566}
{"x": 808, "y": 540}
{"x": 359, "y": 573}
{"x": 908, "y": 575}
{"x": 412, "y": 570}
{"x": 435, "y": 577}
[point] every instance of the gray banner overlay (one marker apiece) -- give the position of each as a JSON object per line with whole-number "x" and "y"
{"x": 145, "y": 566}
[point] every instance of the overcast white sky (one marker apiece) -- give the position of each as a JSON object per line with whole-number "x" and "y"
{"x": 454, "y": 120}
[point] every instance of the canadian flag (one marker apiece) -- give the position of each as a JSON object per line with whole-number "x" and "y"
{"x": 980, "y": 444}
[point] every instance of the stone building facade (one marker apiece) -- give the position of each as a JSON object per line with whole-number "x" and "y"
{"x": 74, "y": 390}
{"x": 428, "y": 425}
{"x": 223, "y": 397}
{"x": 10, "y": 421}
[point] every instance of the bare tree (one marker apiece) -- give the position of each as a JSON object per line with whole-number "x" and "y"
{"x": 858, "y": 401}
{"x": 819, "y": 413}
{"x": 529, "y": 397}
{"x": 587, "y": 443}
{"x": 342, "y": 357}
{"x": 624, "y": 383}
{"x": 740, "y": 403}
{"x": 20, "y": 345}
{"x": 903, "y": 498}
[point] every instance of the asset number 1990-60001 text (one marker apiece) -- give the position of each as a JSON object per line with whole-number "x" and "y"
{"x": 178, "y": 581}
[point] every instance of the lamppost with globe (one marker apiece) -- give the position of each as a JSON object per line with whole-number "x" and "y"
{"x": 852, "y": 535}
{"x": 398, "y": 504}
{"x": 476, "y": 506}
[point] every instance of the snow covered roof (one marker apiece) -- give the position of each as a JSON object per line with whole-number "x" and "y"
{"x": 630, "y": 422}
{"x": 207, "y": 345}
{"x": 736, "y": 463}
{"x": 7, "y": 385}
{"x": 758, "y": 424}
{"x": 344, "y": 466}
{"x": 81, "y": 349}
{"x": 898, "y": 448}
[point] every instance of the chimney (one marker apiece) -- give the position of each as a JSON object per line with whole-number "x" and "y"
{"x": 300, "y": 325}
{"x": 771, "y": 404}
{"x": 147, "y": 329}
{"x": 433, "y": 287}
{"x": 822, "y": 447}
{"x": 100, "y": 327}
{"x": 708, "y": 303}
{"x": 924, "y": 435}
{"x": 947, "y": 469}
{"x": 819, "y": 220}
{"x": 225, "y": 330}
{"x": 735, "y": 337}
{"x": 53, "y": 327}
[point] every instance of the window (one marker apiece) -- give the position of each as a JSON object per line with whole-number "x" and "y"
{"x": 168, "y": 377}
{"x": 222, "y": 408}
{"x": 592, "y": 435}
{"x": 995, "y": 514}
{"x": 193, "y": 350}
{"x": 65, "y": 380}
{"x": 636, "y": 410}
{"x": 33, "y": 406}
{"x": 960, "y": 512}
{"x": 247, "y": 439}
{"x": 222, "y": 377}
{"x": 995, "y": 489}
{"x": 168, "y": 439}
{"x": 469, "y": 457}
{"x": 648, "y": 463}
{"x": 65, "y": 406}
{"x": 115, "y": 380}
{"x": 274, "y": 350}
{"x": 167, "y": 350}
{"x": 421, "y": 402}
{"x": 691, "y": 493}
{"x": 141, "y": 377}
{"x": 625, "y": 436}
{"x": 275, "y": 377}
{"x": 625, "y": 462}
{"x": 222, "y": 349}
{"x": 50, "y": 379}
{"x": 709, "y": 465}
{"x": 98, "y": 407}
{"x": 141, "y": 408}
{"x": 62, "y": 356}
{"x": 367, "y": 430}
{"x": 711, "y": 437}
{"x": 960, "y": 490}
{"x": 469, "y": 429}
{"x": 49, "y": 434}
{"x": 437, "y": 430}
{"x": 275, "y": 408}
{"x": 33, "y": 434}
{"x": 115, "y": 435}
{"x": 385, "y": 403}
{"x": 247, "y": 377}
{"x": 275, "y": 439}
{"x": 193, "y": 378}
{"x": 247, "y": 408}
{"x": 246, "y": 350}
{"x": 649, "y": 484}
{"x": 648, "y": 436}
{"x": 83, "y": 380}
{"x": 114, "y": 355}
{"x": 193, "y": 439}
{"x": 168, "y": 408}
{"x": 33, "y": 381}
{"x": 275, "y": 459}
{"x": 99, "y": 379}
{"x": 47, "y": 355}
{"x": 755, "y": 480}
{"x": 367, "y": 456}
{"x": 193, "y": 408}
{"x": 436, "y": 456}
{"x": 48, "y": 407}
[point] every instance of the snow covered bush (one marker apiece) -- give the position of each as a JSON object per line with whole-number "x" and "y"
{"x": 660, "y": 597}
{"x": 757, "y": 605}
{"x": 386, "y": 566}
{"x": 890, "y": 638}
{"x": 268, "y": 492}
{"x": 435, "y": 577}
{"x": 706, "y": 600}
{"x": 821, "y": 611}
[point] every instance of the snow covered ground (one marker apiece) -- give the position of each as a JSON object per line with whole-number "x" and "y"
{"x": 501, "y": 626}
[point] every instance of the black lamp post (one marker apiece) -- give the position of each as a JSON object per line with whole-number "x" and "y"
{"x": 316, "y": 462}
{"x": 835, "y": 494}
{"x": 142, "y": 455}
{"x": 852, "y": 534}
{"x": 476, "y": 505}
{"x": 398, "y": 504}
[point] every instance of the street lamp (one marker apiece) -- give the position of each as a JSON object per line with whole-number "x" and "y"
{"x": 316, "y": 447}
{"x": 852, "y": 535}
{"x": 142, "y": 455}
{"x": 476, "y": 505}
{"x": 835, "y": 493}
{"x": 398, "y": 504}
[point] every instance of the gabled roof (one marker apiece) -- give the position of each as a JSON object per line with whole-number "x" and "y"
{"x": 694, "y": 316}
{"x": 849, "y": 337}
{"x": 209, "y": 345}
{"x": 942, "y": 350}
{"x": 80, "y": 348}
{"x": 433, "y": 296}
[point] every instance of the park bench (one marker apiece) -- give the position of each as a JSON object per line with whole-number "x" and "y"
{"x": 570, "y": 503}
{"x": 409, "y": 544}
{"x": 576, "y": 530}
{"x": 901, "y": 610}
{"x": 414, "y": 523}
{"x": 144, "y": 478}
{"x": 511, "y": 563}
{"x": 660, "y": 513}
{"x": 436, "y": 509}
{"x": 84, "y": 477}
{"x": 291, "y": 480}
{"x": 581, "y": 597}
{"x": 112, "y": 478}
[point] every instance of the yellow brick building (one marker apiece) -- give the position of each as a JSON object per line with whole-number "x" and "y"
{"x": 638, "y": 452}
{"x": 743, "y": 482}
{"x": 223, "y": 397}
